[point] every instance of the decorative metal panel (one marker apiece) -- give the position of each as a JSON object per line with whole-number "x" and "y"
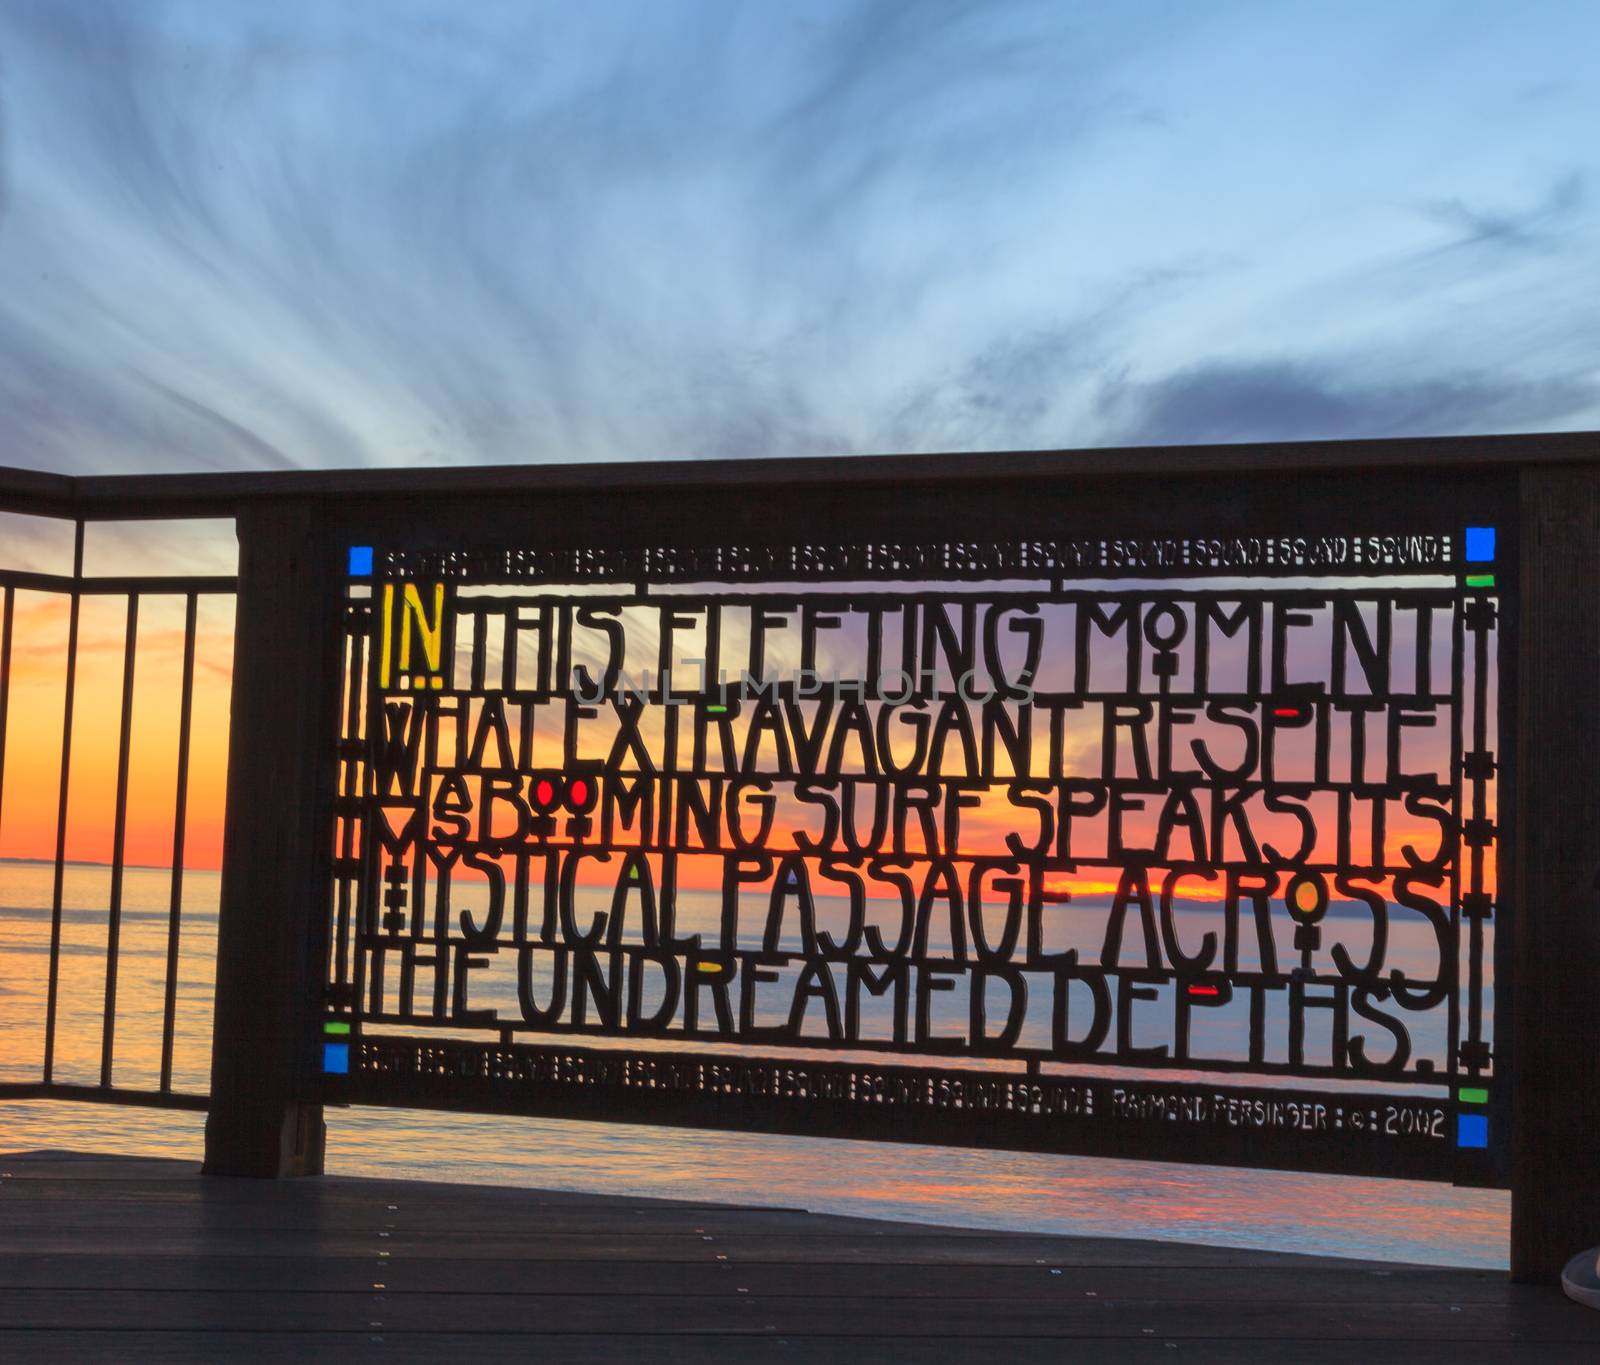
{"x": 1177, "y": 848}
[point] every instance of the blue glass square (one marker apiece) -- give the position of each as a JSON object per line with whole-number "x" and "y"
{"x": 336, "y": 1059}
{"x": 1472, "y": 1130}
{"x": 1480, "y": 544}
{"x": 361, "y": 558}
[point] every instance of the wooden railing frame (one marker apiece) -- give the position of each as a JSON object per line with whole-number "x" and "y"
{"x": 285, "y": 694}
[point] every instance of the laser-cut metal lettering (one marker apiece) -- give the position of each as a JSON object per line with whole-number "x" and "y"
{"x": 1132, "y": 835}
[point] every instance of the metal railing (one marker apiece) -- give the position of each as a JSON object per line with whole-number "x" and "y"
{"x": 130, "y": 590}
{"x": 312, "y": 894}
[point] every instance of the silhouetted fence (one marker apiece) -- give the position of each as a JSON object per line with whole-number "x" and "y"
{"x": 44, "y": 591}
{"x": 1223, "y": 805}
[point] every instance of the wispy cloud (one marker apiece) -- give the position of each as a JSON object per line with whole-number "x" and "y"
{"x": 1538, "y": 227}
{"x": 1282, "y": 401}
{"x": 257, "y": 234}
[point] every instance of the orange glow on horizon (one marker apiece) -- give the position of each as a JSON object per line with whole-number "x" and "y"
{"x": 28, "y": 811}
{"x": 30, "y": 805}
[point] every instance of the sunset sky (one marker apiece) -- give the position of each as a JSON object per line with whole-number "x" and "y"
{"x": 251, "y": 237}
{"x": 279, "y": 234}
{"x": 33, "y": 738}
{"x": 292, "y": 234}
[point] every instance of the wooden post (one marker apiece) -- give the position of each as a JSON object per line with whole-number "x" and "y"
{"x": 1555, "y": 1181}
{"x": 270, "y": 930}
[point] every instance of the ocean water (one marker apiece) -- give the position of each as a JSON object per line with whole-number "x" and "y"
{"x": 1329, "y": 1215}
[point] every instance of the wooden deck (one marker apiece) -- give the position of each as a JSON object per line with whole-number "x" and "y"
{"x": 127, "y": 1259}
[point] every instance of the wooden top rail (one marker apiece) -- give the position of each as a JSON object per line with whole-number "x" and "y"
{"x": 134, "y": 496}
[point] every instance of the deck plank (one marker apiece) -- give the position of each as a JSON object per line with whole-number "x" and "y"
{"x": 106, "y": 1258}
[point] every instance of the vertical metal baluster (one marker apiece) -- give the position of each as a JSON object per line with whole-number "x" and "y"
{"x": 349, "y": 764}
{"x": 61, "y": 810}
{"x": 119, "y": 837}
{"x": 1458, "y": 744}
{"x": 365, "y": 907}
{"x": 175, "y": 908}
{"x": 5, "y": 683}
{"x": 1479, "y": 811}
